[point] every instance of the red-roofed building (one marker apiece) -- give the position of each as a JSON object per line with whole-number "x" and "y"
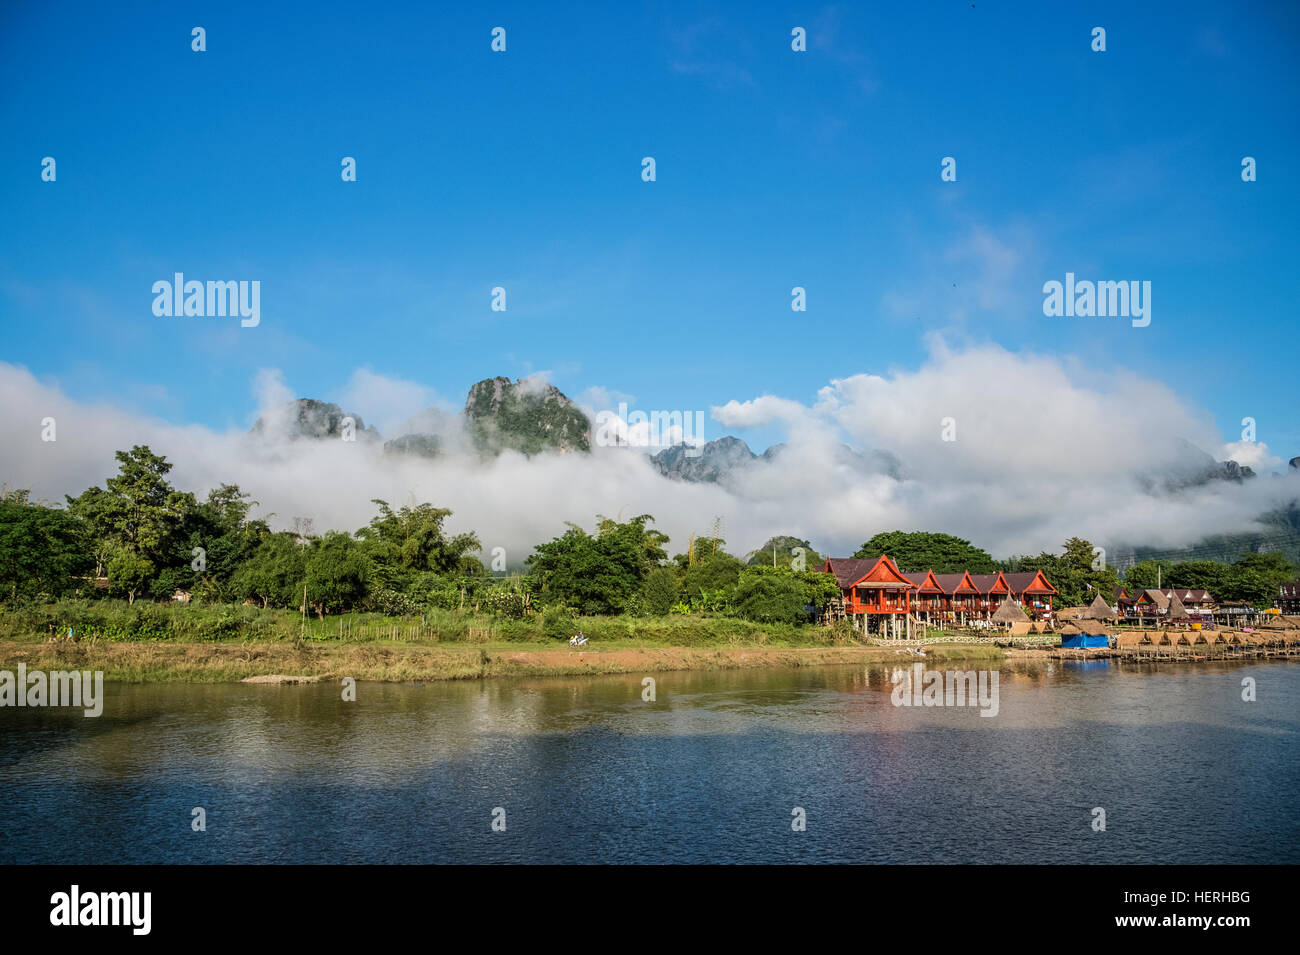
{"x": 877, "y": 596}
{"x": 993, "y": 589}
{"x": 959, "y": 597}
{"x": 1034, "y": 591}
{"x": 927, "y": 599}
{"x": 1155, "y": 603}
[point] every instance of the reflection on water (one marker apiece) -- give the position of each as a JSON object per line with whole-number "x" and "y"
{"x": 587, "y": 771}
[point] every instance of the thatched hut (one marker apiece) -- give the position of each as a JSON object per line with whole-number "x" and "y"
{"x": 1129, "y": 638}
{"x": 1084, "y": 634}
{"x": 1177, "y": 612}
{"x": 1098, "y": 610}
{"x": 1009, "y": 612}
{"x": 1008, "y": 615}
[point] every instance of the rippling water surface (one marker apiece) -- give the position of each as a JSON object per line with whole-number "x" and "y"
{"x": 1185, "y": 770}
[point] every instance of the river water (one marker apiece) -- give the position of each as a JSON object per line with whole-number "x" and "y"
{"x": 713, "y": 770}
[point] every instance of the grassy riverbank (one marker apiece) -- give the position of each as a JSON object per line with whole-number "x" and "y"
{"x": 229, "y": 662}
{"x": 152, "y": 642}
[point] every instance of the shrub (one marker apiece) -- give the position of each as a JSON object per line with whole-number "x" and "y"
{"x": 558, "y": 623}
{"x": 509, "y": 604}
{"x": 394, "y": 604}
{"x": 659, "y": 592}
{"x": 768, "y": 598}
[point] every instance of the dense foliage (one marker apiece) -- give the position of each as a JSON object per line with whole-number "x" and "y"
{"x": 1253, "y": 579}
{"x": 925, "y": 550}
{"x": 1078, "y": 573}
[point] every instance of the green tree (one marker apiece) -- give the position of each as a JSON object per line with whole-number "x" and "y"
{"x": 129, "y": 574}
{"x": 649, "y": 543}
{"x": 42, "y": 549}
{"x": 1144, "y": 575}
{"x": 596, "y": 574}
{"x": 926, "y": 550}
{"x": 770, "y": 598}
{"x": 137, "y": 511}
{"x": 1072, "y": 573}
{"x": 698, "y": 547}
{"x": 274, "y": 573}
{"x": 336, "y": 573}
{"x": 720, "y": 571}
{"x": 1274, "y": 567}
{"x": 411, "y": 540}
{"x": 660, "y": 591}
{"x": 214, "y": 540}
{"x": 1196, "y": 575}
{"x": 1247, "y": 585}
{"x": 816, "y": 588}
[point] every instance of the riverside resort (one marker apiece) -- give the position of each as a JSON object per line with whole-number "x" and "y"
{"x": 684, "y": 433}
{"x": 1152, "y": 623}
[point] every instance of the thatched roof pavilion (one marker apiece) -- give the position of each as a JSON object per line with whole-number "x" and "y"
{"x": 1093, "y": 628}
{"x": 1099, "y": 610}
{"x": 1009, "y": 612}
{"x": 1176, "y": 609}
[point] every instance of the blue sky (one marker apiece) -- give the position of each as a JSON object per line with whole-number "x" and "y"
{"x": 774, "y": 169}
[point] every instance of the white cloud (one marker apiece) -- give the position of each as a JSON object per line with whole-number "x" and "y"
{"x": 385, "y": 402}
{"x": 1252, "y": 454}
{"x": 1044, "y": 451}
{"x": 764, "y": 410}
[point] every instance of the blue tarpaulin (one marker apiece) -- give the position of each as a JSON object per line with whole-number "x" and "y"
{"x": 1081, "y": 641}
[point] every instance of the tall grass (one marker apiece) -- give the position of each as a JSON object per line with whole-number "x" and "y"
{"x": 115, "y": 621}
